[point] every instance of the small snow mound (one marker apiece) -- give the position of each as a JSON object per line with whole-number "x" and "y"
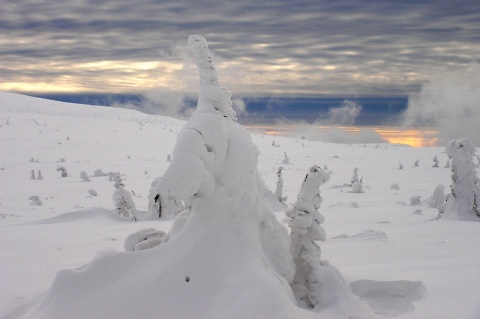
{"x": 92, "y": 213}
{"x": 144, "y": 239}
{"x": 390, "y": 298}
{"x": 365, "y": 235}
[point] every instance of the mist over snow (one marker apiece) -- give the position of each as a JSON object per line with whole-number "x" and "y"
{"x": 345, "y": 114}
{"x": 449, "y": 103}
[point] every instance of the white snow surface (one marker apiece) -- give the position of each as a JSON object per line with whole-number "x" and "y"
{"x": 418, "y": 268}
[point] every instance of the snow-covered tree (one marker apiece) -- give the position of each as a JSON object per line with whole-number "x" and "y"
{"x": 438, "y": 198}
{"x": 355, "y": 176}
{"x": 435, "y": 161}
{"x": 279, "y": 189}
{"x": 32, "y": 174}
{"x": 400, "y": 166}
{"x": 63, "y": 171}
{"x": 357, "y": 184}
{"x": 306, "y": 229}
{"x": 464, "y": 202}
{"x": 124, "y": 204}
{"x": 416, "y": 163}
{"x": 84, "y": 176}
{"x": 316, "y": 283}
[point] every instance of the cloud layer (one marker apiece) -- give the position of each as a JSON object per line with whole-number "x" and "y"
{"x": 296, "y": 48}
{"x": 451, "y": 104}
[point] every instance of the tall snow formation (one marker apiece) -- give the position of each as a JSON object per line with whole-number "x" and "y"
{"x": 225, "y": 257}
{"x": 316, "y": 283}
{"x": 464, "y": 202}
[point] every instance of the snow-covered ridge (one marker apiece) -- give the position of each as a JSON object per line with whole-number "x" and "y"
{"x": 19, "y": 103}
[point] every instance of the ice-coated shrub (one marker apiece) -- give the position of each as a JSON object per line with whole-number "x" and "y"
{"x": 464, "y": 202}
{"x": 84, "y": 176}
{"x": 92, "y": 192}
{"x": 35, "y": 200}
{"x": 395, "y": 186}
{"x": 63, "y": 171}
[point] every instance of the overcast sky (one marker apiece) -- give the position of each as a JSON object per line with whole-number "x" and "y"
{"x": 262, "y": 48}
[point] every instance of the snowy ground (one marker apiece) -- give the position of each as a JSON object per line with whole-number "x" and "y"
{"x": 395, "y": 254}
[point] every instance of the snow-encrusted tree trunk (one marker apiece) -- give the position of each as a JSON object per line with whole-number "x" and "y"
{"x": 124, "y": 204}
{"x": 279, "y": 189}
{"x": 464, "y": 202}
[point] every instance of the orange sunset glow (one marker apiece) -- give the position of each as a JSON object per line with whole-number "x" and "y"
{"x": 394, "y": 135}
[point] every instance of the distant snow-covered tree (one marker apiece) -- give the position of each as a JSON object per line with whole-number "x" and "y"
{"x": 355, "y": 176}
{"x": 32, "y": 174}
{"x": 438, "y": 198}
{"x": 416, "y": 163}
{"x": 435, "y": 161}
{"x": 84, "y": 176}
{"x": 124, "y": 204}
{"x": 400, "y": 166}
{"x": 279, "y": 189}
{"x": 357, "y": 184}
{"x": 39, "y": 175}
{"x": 357, "y": 187}
{"x": 63, "y": 171}
{"x": 286, "y": 160}
{"x": 464, "y": 202}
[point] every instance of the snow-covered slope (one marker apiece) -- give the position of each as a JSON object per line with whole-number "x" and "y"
{"x": 399, "y": 259}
